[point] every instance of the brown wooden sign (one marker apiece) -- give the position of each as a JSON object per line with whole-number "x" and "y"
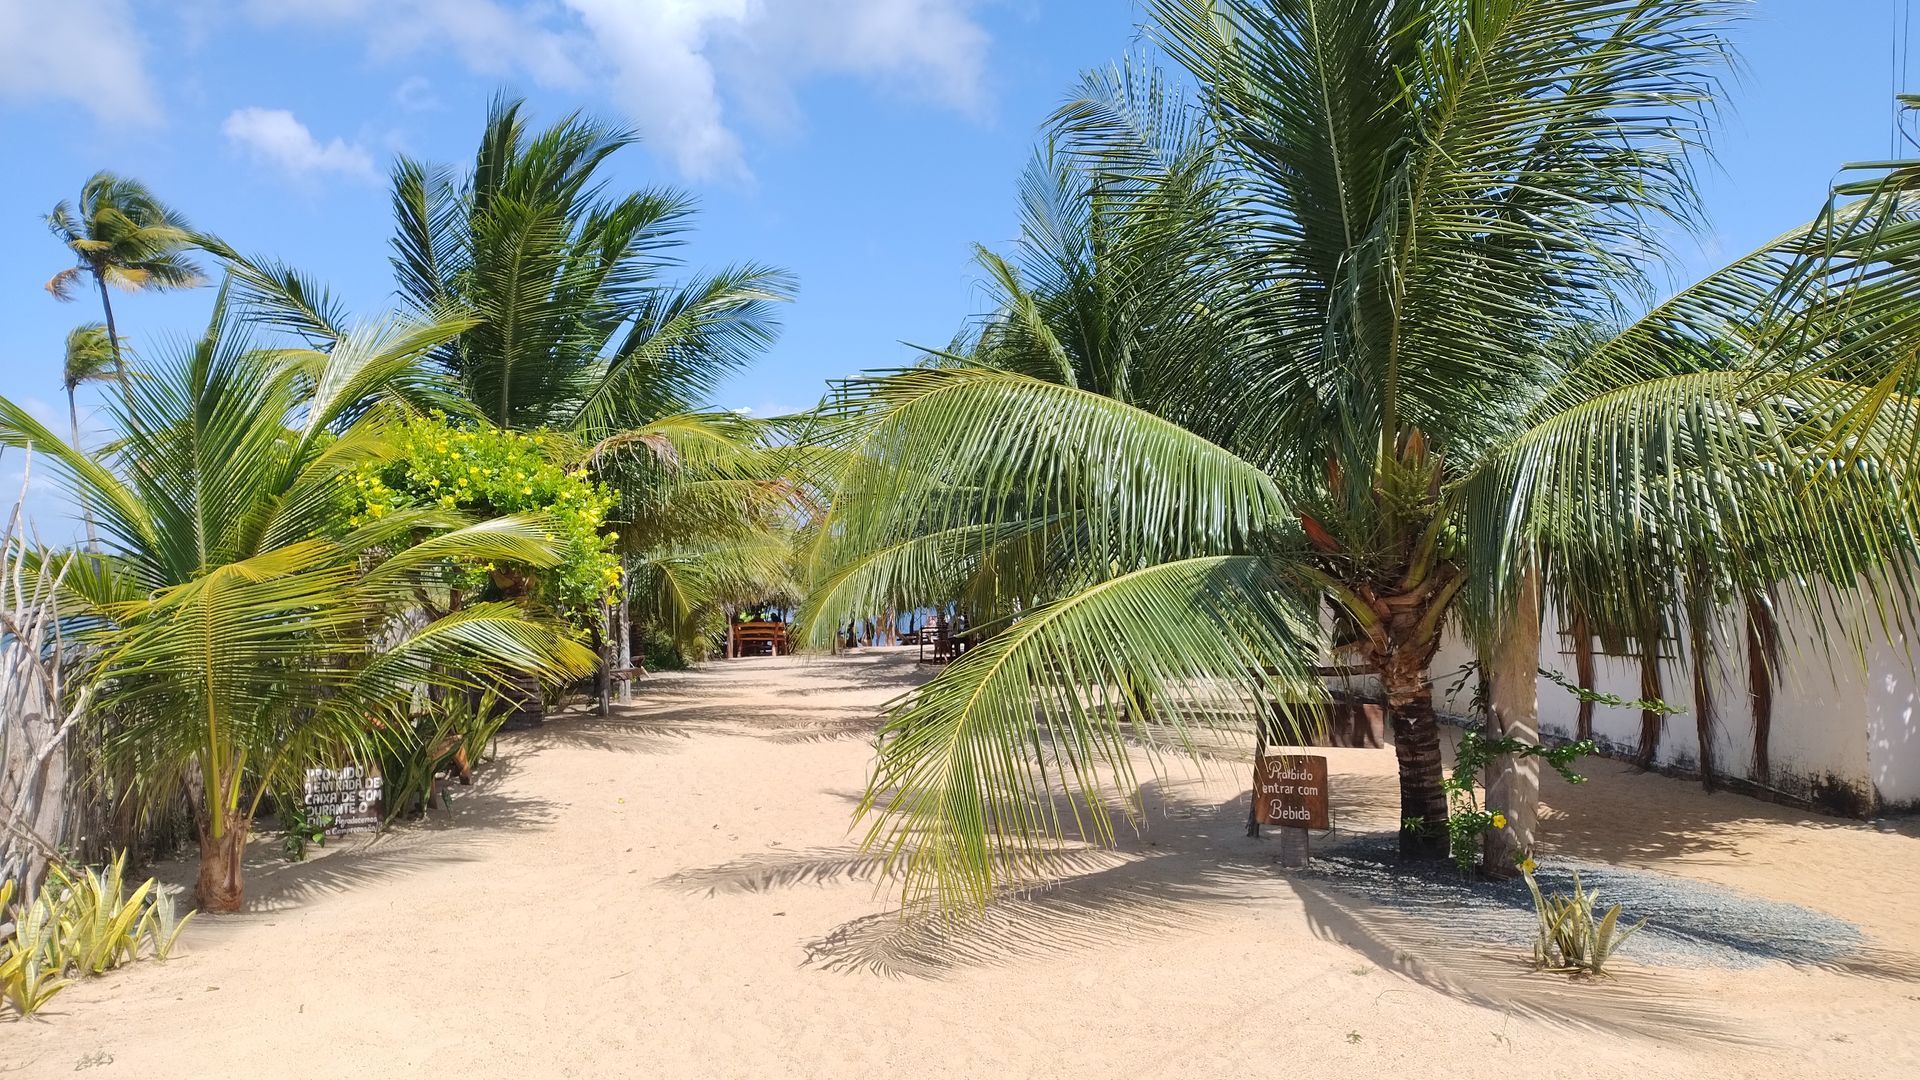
{"x": 1290, "y": 790}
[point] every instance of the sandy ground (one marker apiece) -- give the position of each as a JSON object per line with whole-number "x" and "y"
{"x": 675, "y": 893}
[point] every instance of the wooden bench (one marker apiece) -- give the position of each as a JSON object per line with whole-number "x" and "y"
{"x": 772, "y": 635}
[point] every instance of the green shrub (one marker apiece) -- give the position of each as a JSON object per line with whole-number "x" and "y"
{"x": 489, "y": 472}
{"x": 300, "y": 828}
{"x": 29, "y": 977}
{"x": 98, "y": 922}
{"x": 415, "y": 748}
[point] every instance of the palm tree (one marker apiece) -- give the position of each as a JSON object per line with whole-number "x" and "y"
{"x": 89, "y": 358}
{"x": 1429, "y": 217}
{"x": 241, "y": 633}
{"x": 575, "y": 329}
{"x": 707, "y": 517}
{"x": 121, "y": 235}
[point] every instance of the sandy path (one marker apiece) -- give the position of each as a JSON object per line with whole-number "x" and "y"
{"x": 674, "y": 893}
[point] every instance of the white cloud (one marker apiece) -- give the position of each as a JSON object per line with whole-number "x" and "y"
{"x": 278, "y": 138}
{"x": 767, "y": 408}
{"x": 677, "y": 68}
{"x": 84, "y": 51}
{"x": 489, "y": 37}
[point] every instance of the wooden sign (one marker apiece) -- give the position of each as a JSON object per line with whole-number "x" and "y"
{"x": 1290, "y": 790}
{"x": 350, "y": 796}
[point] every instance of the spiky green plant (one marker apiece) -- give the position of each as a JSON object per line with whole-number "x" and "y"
{"x": 98, "y": 920}
{"x": 28, "y": 978}
{"x": 1573, "y": 934}
{"x": 163, "y": 924}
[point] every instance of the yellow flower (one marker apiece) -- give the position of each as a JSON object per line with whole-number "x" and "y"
{"x": 526, "y": 491}
{"x": 1527, "y": 865}
{"x": 1499, "y": 820}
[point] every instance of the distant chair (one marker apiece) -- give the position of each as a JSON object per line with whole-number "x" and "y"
{"x": 947, "y": 637}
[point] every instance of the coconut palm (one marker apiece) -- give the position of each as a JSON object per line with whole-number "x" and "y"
{"x": 575, "y": 327}
{"x": 89, "y": 359}
{"x": 121, "y": 236}
{"x": 240, "y": 633}
{"x": 1432, "y": 215}
{"x": 707, "y": 517}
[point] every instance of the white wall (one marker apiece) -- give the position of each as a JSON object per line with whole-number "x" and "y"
{"x": 1844, "y": 713}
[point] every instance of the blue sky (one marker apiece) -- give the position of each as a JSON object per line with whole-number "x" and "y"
{"x": 864, "y": 144}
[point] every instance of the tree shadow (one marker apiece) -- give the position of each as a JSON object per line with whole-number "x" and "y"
{"x": 1689, "y": 922}
{"x": 857, "y": 673}
{"x": 860, "y": 729}
{"x": 1655, "y": 1004}
{"x": 1194, "y": 867}
{"x": 625, "y": 732}
{"x": 479, "y": 816}
{"x": 1584, "y": 821}
{"x": 1180, "y": 872}
{"x": 666, "y": 727}
{"x": 766, "y": 871}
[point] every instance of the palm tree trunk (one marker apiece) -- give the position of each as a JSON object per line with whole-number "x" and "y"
{"x": 1651, "y": 720}
{"x": 1583, "y": 672}
{"x": 113, "y": 335}
{"x": 1416, "y": 744}
{"x": 221, "y": 886}
{"x": 86, "y": 512}
{"x": 625, "y": 644}
{"x": 1763, "y": 658}
{"x": 1513, "y": 782}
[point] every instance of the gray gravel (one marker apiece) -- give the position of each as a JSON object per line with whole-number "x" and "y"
{"x": 1689, "y": 923}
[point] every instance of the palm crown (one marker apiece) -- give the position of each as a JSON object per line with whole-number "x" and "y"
{"x": 122, "y": 237}
{"x": 575, "y": 328}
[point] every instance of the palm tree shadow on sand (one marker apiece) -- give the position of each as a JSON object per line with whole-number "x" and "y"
{"x": 1192, "y": 869}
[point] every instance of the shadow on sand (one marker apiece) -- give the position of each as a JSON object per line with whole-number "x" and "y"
{"x": 1195, "y": 867}
{"x": 480, "y": 815}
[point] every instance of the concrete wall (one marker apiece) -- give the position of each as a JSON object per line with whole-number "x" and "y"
{"x": 1844, "y": 735}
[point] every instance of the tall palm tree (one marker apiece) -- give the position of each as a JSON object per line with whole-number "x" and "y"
{"x": 574, "y": 326}
{"x": 121, "y": 236}
{"x": 89, "y": 359}
{"x": 241, "y": 633}
{"x": 1431, "y": 214}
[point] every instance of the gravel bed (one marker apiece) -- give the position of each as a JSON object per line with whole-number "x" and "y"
{"x": 1689, "y": 923}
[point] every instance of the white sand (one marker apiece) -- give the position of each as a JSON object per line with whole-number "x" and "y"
{"x": 639, "y": 897}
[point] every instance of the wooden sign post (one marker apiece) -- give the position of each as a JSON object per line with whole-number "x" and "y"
{"x": 1290, "y": 793}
